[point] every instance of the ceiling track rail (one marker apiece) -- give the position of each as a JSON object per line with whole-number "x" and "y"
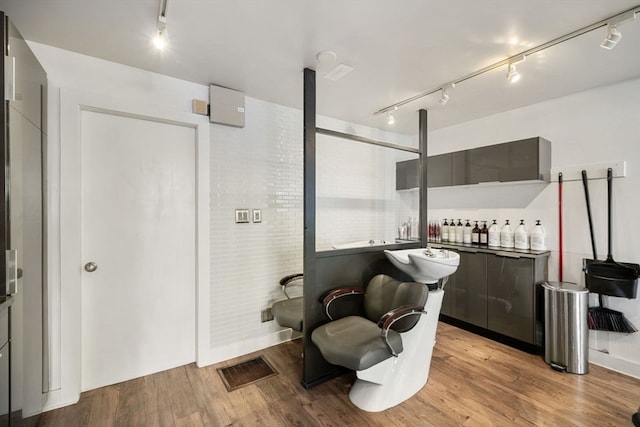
{"x": 615, "y": 18}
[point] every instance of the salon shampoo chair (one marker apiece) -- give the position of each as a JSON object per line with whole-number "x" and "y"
{"x": 389, "y": 346}
{"x": 288, "y": 312}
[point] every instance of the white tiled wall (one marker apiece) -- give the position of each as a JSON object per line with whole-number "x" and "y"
{"x": 255, "y": 167}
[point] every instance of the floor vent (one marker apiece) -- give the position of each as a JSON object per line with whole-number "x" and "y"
{"x": 246, "y": 373}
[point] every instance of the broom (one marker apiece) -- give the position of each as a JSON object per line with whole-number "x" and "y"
{"x": 602, "y": 318}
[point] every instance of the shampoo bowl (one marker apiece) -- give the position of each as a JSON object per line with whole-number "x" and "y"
{"x": 425, "y": 265}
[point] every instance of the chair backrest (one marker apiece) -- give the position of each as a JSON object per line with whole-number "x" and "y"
{"x": 384, "y": 293}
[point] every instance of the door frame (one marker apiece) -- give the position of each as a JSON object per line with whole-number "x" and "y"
{"x": 72, "y": 103}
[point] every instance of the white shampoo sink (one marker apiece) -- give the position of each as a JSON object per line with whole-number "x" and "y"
{"x": 425, "y": 265}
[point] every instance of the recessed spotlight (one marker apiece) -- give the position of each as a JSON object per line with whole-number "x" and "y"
{"x": 326, "y": 57}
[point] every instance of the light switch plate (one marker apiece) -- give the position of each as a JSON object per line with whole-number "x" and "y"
{"x": 257, "y": 215}
{"x": 242, "y": 216}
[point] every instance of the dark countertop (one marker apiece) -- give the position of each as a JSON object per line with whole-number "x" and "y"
{"x": 471, "y": 248}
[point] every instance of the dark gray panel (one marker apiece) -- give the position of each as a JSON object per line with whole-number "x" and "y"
{"x": 459, "y": 168}
{"x": 336, "y": 269}
{"x": 439, "y": 170}
{"x": 486, "y": 163}
{"x": 468, "y": 289}
{"x": 408, "y": 174}
{"x": 511, "y": 291}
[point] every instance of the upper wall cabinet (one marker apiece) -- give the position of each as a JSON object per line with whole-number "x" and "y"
{"x": 525, "y": 162}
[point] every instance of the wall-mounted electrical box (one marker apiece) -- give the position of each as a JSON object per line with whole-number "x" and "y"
{"x": 226, "y": 106}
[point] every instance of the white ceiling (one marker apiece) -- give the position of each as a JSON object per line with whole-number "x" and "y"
{"x": 398, "y": 48}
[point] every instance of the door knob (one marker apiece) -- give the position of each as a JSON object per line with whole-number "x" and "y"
{"x": 90, "y": 267}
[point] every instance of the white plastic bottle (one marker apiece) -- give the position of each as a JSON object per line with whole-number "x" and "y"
{"x": 521, "y": 236}
{"x": 494, "y": 235}
{"x": 466, "y": 234}
{"x": 506, "y": 236}
{"x": 538, "y": 237}
{"x": 445, "y": 231}
{"x": 459, "y": 232}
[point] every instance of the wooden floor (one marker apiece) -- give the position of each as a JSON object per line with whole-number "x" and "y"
{"x": 473, "y": 382}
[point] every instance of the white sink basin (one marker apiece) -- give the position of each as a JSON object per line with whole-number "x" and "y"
{"x": 425, "y": 265}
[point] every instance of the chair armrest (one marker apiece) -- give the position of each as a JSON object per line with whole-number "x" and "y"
{"x": 391, "y": 317}
{"x": 287, "y": 280}
{"x": 334, "y": 294}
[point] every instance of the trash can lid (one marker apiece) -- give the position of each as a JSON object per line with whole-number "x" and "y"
{"x": 565, "y": 287}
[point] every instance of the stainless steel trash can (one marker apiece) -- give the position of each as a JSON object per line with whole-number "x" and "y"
{"x": 566, "y": 332}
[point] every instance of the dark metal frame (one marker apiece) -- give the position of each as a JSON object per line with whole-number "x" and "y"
{"x": 339, "y": 268}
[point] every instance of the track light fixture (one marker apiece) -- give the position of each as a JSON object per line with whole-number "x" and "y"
{"x": 390, "y": 119}
{"x": 512, "y": 74}
{"x": 613, "y": 37}
{"x": 613, "y": 33}
{"x": 160, "y": 40}
{"x": 444, "y": 96}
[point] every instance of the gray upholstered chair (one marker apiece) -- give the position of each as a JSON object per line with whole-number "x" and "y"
{"x": 389, "y": 345}
{"x": 358, "y": 342}
{"x": 288, "y": 312}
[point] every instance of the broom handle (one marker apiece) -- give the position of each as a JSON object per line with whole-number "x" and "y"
{"x": 560, "y": 249}
{"x": 609, "y": 190}
{"x": 585, "y": 184}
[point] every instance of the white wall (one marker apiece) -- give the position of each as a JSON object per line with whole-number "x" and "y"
{"x": 593, "y": 127}
{"x": 256, "y": 167}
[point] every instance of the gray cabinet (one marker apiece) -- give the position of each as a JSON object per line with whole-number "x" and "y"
{"x": 408, "y": 174}
{"x": 467, "y": 288}
{"x": 511, "y": 296}
{"x": 524, "y": 160}
{"x": 495, "y": 293}
{"x": 445, "y": 170}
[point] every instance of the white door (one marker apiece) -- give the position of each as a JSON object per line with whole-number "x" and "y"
{"x": 138, "y": 227}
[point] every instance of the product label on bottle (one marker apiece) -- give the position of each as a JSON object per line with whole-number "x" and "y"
{"x": 506, "y": 239}
{"x": 494, "y": 238}
{"x": 483, "y": 238}
{"x": 521, "y": 241}
{"x": 538, "y": 243}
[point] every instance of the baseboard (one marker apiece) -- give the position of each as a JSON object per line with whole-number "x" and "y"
{"x": 57, "y": 399}
{"x": 619, "y": 365}
{"x": 230, "y": 351}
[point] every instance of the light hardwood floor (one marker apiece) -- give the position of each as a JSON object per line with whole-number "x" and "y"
{"x": 473, "y": 382}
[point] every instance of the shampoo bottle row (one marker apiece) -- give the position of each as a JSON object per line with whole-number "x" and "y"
{"x": 450, "y": 231}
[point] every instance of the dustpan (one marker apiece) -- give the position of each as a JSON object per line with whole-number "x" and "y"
{"x": 609, "y": 277}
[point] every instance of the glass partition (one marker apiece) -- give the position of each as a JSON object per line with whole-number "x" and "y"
{"x": 362, "y": 198}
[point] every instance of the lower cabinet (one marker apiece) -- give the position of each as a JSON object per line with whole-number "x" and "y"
{"x": 496, "y": 292}
{"x": 511, "y": 297}
{"x": 468, "y": 289}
